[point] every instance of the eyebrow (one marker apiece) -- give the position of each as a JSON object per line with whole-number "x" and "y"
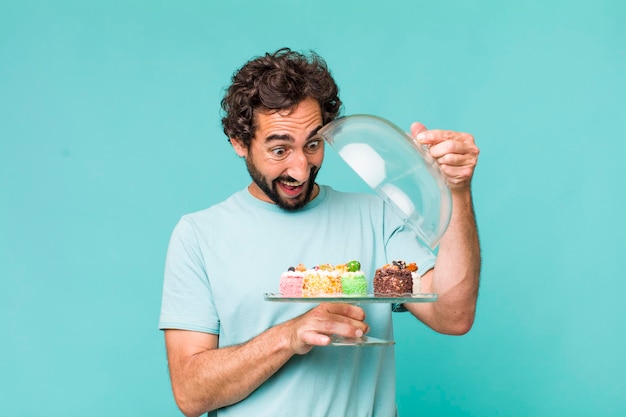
{"x": 289, "y": 137}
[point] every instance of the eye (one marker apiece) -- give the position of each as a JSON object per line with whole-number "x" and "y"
{"x": 278, "y": 153}
{"x": 313, "y": 145}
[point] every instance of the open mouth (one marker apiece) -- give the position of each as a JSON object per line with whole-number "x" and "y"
{"x": 291, "y": 188}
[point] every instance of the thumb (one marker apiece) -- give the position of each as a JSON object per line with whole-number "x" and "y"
{"x": 417, "y": 128}
{"x": 315, "y": 339}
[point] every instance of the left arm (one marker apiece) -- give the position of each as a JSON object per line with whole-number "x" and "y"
{"x": 456, "y": 274}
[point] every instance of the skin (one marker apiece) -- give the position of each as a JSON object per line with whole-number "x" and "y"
{"x": 283, "y": 158}
{"x": 285, "y": 155}
{"x": 455, "y": 277}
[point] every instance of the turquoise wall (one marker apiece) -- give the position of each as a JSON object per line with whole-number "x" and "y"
{"x": 109, "y": 132}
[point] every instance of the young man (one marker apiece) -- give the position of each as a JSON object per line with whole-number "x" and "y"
{"x": 231, "y": 353}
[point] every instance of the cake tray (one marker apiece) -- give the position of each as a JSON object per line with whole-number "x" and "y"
{"x": 367, "y": 298}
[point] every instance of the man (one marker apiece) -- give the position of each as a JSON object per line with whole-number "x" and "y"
{"x": 231, "y": 353}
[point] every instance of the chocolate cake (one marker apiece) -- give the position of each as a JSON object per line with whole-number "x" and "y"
{"x": 393, "y": 279}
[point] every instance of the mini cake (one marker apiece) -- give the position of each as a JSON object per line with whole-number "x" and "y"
{"x": 291, "y": 281}
{"x": 353, "y": 281}
{"x": 323, "y": 280}
{"x": 394, "y": 279}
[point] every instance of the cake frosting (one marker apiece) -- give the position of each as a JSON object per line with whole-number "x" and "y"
{"x": 325, "y": 280}
{"x": 291, "y": 281}
{"x": 353, "y": 281}
{"x": 417, "y": 282}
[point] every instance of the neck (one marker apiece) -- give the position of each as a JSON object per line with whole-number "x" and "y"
{"x": 316, "y": 191}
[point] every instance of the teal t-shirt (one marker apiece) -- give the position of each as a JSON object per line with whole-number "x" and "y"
{"x": 222, "y": 260}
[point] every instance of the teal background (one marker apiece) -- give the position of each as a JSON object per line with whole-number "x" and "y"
{"x": 110, "y": 131}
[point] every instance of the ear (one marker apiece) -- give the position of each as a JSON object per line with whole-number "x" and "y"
{"x": 240, "y": 149}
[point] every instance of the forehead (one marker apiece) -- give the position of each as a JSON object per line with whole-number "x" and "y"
{"x": 303, "y": 118}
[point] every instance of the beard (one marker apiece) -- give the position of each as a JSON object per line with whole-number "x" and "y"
{"x": 270, "y": 188}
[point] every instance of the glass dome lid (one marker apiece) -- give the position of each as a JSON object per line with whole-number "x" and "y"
{"x": 400, "y": 170}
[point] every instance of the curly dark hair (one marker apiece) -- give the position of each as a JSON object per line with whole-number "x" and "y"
{"x": 273, "y": 82}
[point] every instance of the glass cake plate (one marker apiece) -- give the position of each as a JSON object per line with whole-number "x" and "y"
{"x": 357, "y": 299}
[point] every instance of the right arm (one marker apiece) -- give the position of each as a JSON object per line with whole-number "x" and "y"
{"x": 205, "y": 377}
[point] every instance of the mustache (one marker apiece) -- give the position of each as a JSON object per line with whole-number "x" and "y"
{"x": 288, "y": 178}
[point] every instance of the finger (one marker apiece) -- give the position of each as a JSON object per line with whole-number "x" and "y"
{"x": 417, "y": 128}
{"x": 456, "y": 150}
{"x": 319, "y": 334}
{"x": 433, "y": 137}
{"x": 458, "y": 169}
{"x": 347, "y": 310}
{"x": 312, "y": 338}
{"x": 339, "y": 318}
{"x": 448, "y": 154}
{"x": 343, "y": 328}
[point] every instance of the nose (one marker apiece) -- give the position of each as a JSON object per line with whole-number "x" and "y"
{"x": 299, "y": 166}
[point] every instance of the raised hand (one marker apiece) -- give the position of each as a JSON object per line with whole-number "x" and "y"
{"x": 455, "y": 152}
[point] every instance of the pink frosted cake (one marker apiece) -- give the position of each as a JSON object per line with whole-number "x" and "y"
{"x": 291, "y": 281}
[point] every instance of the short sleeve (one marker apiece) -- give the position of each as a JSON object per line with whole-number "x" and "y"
{"x": 187, "y": 302}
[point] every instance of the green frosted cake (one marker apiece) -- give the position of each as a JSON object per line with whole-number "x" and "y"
{"x": 353, "y": 281}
